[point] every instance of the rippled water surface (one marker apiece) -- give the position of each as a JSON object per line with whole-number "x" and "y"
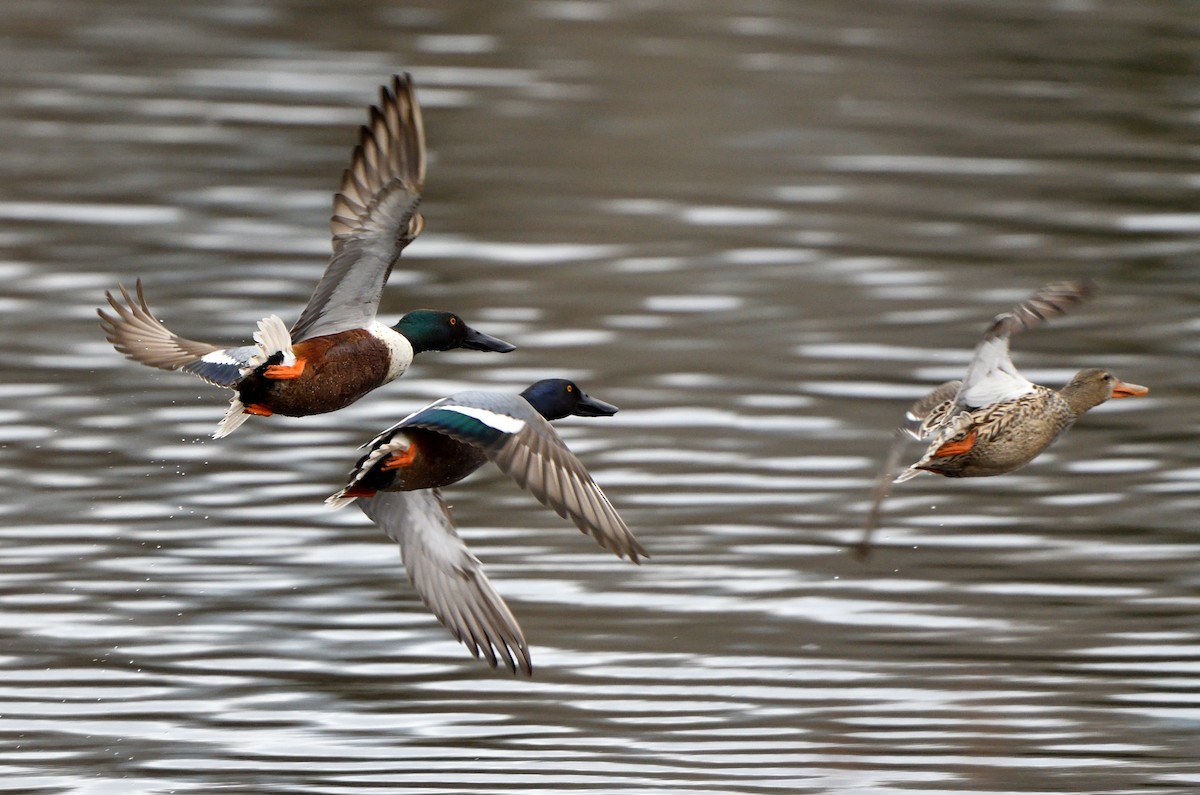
{"x": 761, "y": 229}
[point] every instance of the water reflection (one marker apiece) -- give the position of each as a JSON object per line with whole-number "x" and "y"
{"x": 759, "y": 230}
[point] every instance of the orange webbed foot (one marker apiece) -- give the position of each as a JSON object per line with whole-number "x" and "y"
{"x": 399, "y": 460}
{"x": 957, "y": 447}
{"x": 257, "y": 409}
{"x": 283, "y": 372}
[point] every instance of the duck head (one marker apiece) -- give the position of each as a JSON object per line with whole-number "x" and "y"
{"x": 1089, "y": 388}
{"x": 430, "y": 330}
{"x": 555, "y": 398}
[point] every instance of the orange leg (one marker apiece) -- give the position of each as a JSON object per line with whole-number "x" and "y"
{"x": 257, "y": 409}
{"x": 963, "y": 445}
{"x": 398, "y": 460}
{"x": 282, "y": 372}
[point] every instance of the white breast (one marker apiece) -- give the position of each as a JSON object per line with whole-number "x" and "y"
{"x": 399, "y": 348}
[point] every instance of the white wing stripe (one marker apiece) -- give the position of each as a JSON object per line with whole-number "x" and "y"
{"x": 220, "y": 357}
{"x": 501, "y": 422}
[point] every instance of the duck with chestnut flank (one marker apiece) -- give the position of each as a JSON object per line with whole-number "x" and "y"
{"x": 995, "y": 420}
{"x": 397, "y": 485}
{"x": 337, "y": 351}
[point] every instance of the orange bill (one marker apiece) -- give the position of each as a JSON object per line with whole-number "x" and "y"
{"x": 1124, "y": 390}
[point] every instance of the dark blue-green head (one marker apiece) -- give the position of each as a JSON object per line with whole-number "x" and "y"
{"x": 555, "y": 398}
{"x": 430, "y": 330}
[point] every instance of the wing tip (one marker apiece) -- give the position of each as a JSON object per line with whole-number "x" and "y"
{"x": 498, "y": 640}
{"x": 1047, "y": 302}
{"x": 134, "y": 332}
{"x": 390, "y": 155}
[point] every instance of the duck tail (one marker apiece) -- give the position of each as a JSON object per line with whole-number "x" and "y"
{"x": 909, "y": 474}
{"x": 339, "y": 500}
{"x": 235, "y": 415}
{"x": 271, "y": 338}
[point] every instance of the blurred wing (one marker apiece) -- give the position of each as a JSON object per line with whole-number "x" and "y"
{"x": 883, "y": 487}
{"x": 991, "y": 376}
{"x": 137, "y": 333}
{"x": 448, "y": 578}
{"x": 1049, "y": 301}
{"x": 923, "y": 419}
{"x": 374, "y": 215}
{"x": 929, "y": 413}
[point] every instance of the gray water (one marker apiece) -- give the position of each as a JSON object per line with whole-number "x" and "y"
{"x": 761, "y": 229}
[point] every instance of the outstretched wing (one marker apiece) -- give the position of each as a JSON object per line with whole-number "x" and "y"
{"x": 374, "y": 215}
{"x": 137, "y": 333}
{"x": 991, "y": 376}
{"x": 538, "y": 461}
{"x": 922, "y": 419}
{"x": 449, "y": 579}
{"x": 528, "y": 449}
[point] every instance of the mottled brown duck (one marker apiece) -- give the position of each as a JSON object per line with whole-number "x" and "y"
{"x": 995, "y": 420}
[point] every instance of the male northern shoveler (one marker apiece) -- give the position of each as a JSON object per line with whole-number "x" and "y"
{"x": 337, "y": 351}
{"x": 397, "y": 486}
{"x": 995, "y": 420}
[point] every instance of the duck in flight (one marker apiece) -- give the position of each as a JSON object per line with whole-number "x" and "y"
{"x": 397, "y": 485}
{"x": 994, "y": 420}
{"x": 337, "y": 351}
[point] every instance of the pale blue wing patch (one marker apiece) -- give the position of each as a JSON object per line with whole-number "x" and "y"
{"x": 271, "y": 338}
{"x": 224, "y": 367}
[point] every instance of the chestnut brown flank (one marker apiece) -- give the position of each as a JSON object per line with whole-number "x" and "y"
{"x": 340, "y": 369}
{"x": 438, "y": 460}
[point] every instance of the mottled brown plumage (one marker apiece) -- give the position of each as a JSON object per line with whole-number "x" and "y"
{"x": 995, "y": 420}
{"x": 1008, "y": 435}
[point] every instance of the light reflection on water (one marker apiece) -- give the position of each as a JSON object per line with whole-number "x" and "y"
{"x": 760, "y": 232}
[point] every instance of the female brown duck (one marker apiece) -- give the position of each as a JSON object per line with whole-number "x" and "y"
{"x": 995, "y": 420}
